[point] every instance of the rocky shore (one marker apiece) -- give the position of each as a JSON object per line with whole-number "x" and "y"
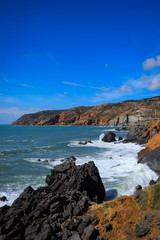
{"x": 53, "y": 212}
{"x": 71, "y": 207}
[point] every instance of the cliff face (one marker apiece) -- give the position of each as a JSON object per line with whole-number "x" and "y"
{"x": 113, "y": 114}
{"x": 153, "y": 133}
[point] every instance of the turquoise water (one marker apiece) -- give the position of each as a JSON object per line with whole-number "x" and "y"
{"x": 22, "y": 146}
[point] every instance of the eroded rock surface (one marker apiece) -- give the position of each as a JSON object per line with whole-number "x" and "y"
{"x": 152, "y": 159}
{"x": 52, "y": 212}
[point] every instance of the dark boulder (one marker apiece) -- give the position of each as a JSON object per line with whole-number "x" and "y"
{"x": 67, "y": 176}
{"x": 152, "y": 182}
{"x": 3, "y": 199}
{"x": 120, "y": 138}
{"x": 152, "y": 159}
{"x": 138, "y": 187}
{"x": 109, "y": 137}
{"x": 52, "y": 212}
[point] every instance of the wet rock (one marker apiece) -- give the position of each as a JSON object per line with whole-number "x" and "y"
{"x": 122, "y": 129}
{"x": 152, "y": 182}
{"x": 115, "y": 166}
{"x": 109, "y": 137}
{"x": 3, "y": 199}
{"x": 138, "y": 187}
{"x": 45, "y": 161}
{"x": 69, "y": 159}
{"x": 152, "y": 159}
{"x": 158, "y": 180}
{"x": 120, "y": 138}
{"x": 141, "y": 229}
{"x": 85, "y": 143}
{"x": 108, "y": 227}
{"x": 52, "y": 160}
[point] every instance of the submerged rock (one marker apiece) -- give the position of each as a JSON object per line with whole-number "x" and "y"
{"x": 69, "y": 159}
{"x": 109, "y": 137}
{"x": 85, "y": 143}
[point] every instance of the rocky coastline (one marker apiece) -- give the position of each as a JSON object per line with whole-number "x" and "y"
{"x": 71, "y": 206}
{"x": 111, "y": 114}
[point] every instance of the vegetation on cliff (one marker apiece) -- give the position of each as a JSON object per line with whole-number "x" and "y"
{"x": 130, "y": 217}
{"x": 121, "y": 113}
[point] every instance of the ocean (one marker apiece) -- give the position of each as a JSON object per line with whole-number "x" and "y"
{"x": 22, "y": 146}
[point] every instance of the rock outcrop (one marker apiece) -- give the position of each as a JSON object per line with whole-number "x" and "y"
{"x": 112, "y": 114}
{"x": 53, "y": 212}
{"x": 147, "y": 133}
{"x": 152, "y": 159}
{"x": 109, "y": 137}
{"x": 141, "y": 132}
{"x": 153, "y": 133}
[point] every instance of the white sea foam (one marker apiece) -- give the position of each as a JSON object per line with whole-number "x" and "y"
{"x": 12, "y": 191}
{"x": 110, "y": 130}
{"x": 118, "y": 165}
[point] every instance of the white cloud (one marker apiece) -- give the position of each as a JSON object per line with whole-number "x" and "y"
{"x": 151, "y": 82}
{"x": 140, "y": 83}
{"x": 113, "y": 94}
{"x": 85, "y": 86}
{"x": 129, "y": 87}
{"x": 125, "y": 89}
{"x": 154, "y": 83}
{"x": 26, "y": 85}
{"x": 151, "y": 63}
{"x": 105, "y": 96}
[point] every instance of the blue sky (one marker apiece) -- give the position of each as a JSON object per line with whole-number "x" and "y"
{"x": 57, "y": 54}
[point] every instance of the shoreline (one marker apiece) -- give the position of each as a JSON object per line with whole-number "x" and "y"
{"x": 114, "y": 160}
{"x": 97, "y": 224}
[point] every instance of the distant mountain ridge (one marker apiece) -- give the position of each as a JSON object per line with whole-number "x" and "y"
{"x": 115, "y": 114}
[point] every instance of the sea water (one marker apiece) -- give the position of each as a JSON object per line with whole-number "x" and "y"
{"x": 22, "y": 146}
